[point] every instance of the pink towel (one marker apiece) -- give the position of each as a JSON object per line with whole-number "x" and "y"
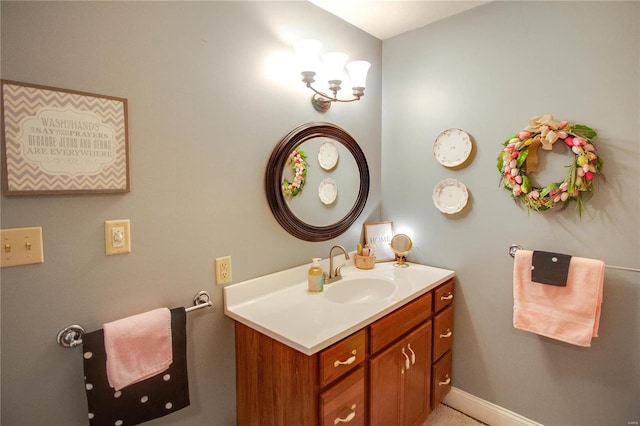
{"x": 570, "y": 314}
{"x": 138, "y": 347}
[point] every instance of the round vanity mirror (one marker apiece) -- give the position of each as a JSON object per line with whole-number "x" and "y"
{"x": 331, "y": 186}
{"x": 401, "y": 244}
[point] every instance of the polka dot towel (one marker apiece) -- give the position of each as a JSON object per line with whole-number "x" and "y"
{"x": 152, "y": 398}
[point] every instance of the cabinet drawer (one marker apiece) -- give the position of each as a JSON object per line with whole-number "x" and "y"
{"x": 399, "y": 322}
{"x": 344, "y": 402}
{"x": 442, "y": 332}
{"x": 342, "y": 357}
{"x": 443, "y": 295}
{"x": 440, "y": 379}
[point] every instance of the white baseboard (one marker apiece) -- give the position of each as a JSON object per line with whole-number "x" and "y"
{"x": 485, "y": 411}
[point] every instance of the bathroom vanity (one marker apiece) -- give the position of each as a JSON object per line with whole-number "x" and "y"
{"x": 373, "y": 349}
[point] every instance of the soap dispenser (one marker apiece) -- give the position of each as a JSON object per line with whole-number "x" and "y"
{"x": 315, "y": 277}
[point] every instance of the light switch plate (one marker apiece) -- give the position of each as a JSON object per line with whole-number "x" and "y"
{"x": 117, "y": 236}
{"x": 21, "y": 246}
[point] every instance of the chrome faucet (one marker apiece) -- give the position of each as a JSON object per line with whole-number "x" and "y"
{"x": 334, "y": 275}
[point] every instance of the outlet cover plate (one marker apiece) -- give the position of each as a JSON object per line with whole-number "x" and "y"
{"x": 223, "y": 270}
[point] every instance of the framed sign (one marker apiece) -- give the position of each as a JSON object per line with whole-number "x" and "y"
{"x": 57, "y": 141}
{"x": 379, "y": 234}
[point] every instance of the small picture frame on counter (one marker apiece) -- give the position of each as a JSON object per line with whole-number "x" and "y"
{"x": 379, "y": 235}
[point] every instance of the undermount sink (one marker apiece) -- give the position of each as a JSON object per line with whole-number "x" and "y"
{"x": 359, "y": 290}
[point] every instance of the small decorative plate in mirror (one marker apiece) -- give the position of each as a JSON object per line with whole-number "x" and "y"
{"x": 328, "y": 156}
{"x": 328, "y": 191}
{"x": 450, "y": 196}
{"x": 452, "y": 147}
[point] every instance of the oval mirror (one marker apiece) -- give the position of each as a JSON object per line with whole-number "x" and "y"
{"x": 318, "y": 212}
{"x": 401, "y": 244}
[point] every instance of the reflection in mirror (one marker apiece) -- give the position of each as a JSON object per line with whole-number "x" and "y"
{"x": 401, "y": 244}
{"x": 318, "y": 203}
{"x": 333, "y": 195}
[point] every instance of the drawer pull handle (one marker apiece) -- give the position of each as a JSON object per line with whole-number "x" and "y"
{"x": 349, "y": 361}
{"x": 407, "y": 363}
{"x": 447, "y": 297}
{"x": 413, "y": 354}
{"x": 347, "y": 419}
{"x": 446, "y": 382}
{"x": 447, "y": 334}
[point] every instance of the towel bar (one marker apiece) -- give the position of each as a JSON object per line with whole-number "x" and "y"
{"x": 71, "y": 335}
{"x": 515, "y": 247}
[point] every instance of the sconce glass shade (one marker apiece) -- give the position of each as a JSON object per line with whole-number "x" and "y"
{"x": 334, "y": 65}
{"x": 307, "y": 53}
{"x": 358, "y": 73}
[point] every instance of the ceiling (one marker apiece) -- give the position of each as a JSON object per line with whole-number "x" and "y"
{"x": 387, "y": 18}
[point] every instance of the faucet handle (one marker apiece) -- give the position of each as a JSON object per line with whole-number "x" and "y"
{"x": 338, "y": 270}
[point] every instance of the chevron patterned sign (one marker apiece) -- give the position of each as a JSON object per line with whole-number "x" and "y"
{"x": 58, "y": 141}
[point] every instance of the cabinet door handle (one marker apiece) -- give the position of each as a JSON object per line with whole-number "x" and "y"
{"x": 349, "y": 361}
{"x": 347, "y": 419}
{"x": 446, "y": 382}
{"x": 413, "y": 354}
{"x": 447, "y": 334}
{"x": 407, "y": 363}
{"x": 447, "y": 297}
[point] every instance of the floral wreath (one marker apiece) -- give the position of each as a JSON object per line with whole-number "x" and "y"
{"x": 299, "y": 166}
{"x": 519, "y": 157}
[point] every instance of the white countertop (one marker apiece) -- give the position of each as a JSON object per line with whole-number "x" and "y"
{"x": 279, "y": 305}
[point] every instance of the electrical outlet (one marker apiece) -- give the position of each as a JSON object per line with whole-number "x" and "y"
{"x": 223, "y": 270}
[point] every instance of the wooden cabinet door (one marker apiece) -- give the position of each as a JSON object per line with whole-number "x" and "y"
{"x": 400, "y": 381}
{"x": 386, "y": 371}
{"x": 417, "y": 381}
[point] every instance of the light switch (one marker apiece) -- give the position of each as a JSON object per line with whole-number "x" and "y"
{"x": 21, "y": 246}
{"x": 117, "y": 236}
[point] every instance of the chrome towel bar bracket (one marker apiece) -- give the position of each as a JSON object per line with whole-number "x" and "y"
{"x": 200, "y": 300}
{"x": 513, "y": 249}
{"x": 71, "y": 335}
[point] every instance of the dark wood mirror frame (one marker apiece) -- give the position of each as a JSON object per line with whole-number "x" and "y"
{"x": 273, "y": 182}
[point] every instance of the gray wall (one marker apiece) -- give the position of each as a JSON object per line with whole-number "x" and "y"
{"x": 205, "y": 111}
{"x": 488, "y": 71}
{"x": 209, "y": 97}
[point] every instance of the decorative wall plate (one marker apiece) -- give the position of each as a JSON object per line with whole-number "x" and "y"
{"x": 328, "y": 191}
{"x": 328, "y": 155}
{"x": 452, "y": 147}
{"x": 450, "y": 196}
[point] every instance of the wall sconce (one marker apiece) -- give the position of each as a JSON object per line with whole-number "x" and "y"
{"x": 308, "y": 51}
